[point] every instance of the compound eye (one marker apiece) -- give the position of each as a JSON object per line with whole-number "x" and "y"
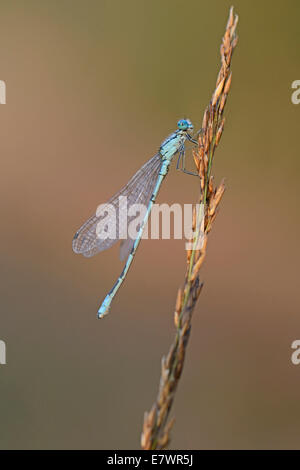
{"x": 182, "y": 124}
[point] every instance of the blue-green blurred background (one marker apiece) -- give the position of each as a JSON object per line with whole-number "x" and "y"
{"x": 93, "y": 87}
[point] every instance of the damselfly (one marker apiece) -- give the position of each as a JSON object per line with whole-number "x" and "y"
{"x": 143, "y": 189}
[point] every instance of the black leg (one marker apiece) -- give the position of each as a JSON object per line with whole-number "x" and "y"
{"x": 182, "y": 158}
{"x": 181, "y": 152}
{"x": 190, "y": 138}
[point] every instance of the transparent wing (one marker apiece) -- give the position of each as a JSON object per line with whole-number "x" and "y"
{"x": 125, "y": 248}
{"x": 138, "y": 190}
{"x": 144, "y": 199}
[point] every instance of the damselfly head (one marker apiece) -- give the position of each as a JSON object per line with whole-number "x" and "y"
{"x": 185, "y": 125}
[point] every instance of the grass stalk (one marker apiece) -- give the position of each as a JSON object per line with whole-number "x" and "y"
{"x": 156, "y": 427}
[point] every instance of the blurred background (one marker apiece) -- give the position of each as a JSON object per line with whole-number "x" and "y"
{"x": 92, "y": 89}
